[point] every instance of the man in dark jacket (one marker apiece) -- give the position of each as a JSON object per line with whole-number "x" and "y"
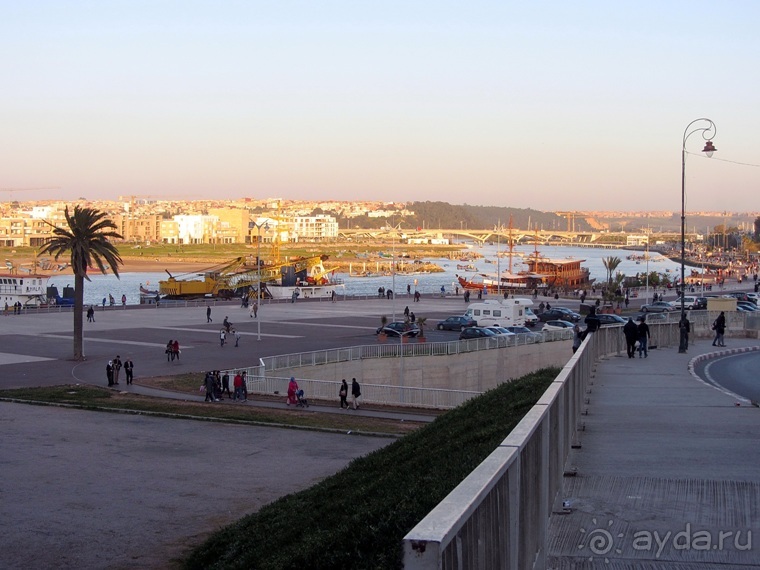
{"x": 631, "y": 332}
{"x": 685, "y": 327}
{"x": 643, "y": 337}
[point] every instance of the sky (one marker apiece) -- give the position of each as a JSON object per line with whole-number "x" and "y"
{"x": 546, "y": 105}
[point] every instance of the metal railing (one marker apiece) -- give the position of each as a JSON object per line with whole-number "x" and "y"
{"x": 498, "y": 516}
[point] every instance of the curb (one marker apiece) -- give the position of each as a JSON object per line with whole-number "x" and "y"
{"x": 719, "y": 354}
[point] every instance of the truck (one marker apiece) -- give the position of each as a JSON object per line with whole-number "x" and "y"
{"x": 502, "y": 312}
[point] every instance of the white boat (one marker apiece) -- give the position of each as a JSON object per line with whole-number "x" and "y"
{"x": 29, "y": 290}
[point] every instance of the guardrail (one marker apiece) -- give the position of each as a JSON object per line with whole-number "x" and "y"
{"x": 498, "y": 516}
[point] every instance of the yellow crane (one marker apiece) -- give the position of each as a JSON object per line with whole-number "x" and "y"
{"x": 12, "y": 190}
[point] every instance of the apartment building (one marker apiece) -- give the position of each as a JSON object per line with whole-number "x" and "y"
{"x": 143, "y": 228}
{"x": 315, "y": 228}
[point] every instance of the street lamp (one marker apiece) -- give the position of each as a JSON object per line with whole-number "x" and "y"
{"x": 708, "y": 132}
{"x": 258, "y": 226}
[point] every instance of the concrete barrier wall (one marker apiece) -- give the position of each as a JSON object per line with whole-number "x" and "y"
{"x": 472, "y": 371}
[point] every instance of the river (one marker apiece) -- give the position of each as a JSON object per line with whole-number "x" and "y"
{"x": 101, "y": 286}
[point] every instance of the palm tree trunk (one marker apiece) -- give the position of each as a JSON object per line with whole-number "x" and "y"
{"x": 78, "y": 308}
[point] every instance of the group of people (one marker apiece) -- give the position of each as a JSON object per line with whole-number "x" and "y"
{"x": 636, "y": 334}
{"x": 172, "y": 350}
{"x": 113, "y": 370}
{"x": 216, "y": 385}
{"x": 355, "y": 394}
{"x": 17, "y": 306}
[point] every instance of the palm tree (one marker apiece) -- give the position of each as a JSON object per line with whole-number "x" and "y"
{"x": 610, "y": 264}
{"x": 86, "y": 239}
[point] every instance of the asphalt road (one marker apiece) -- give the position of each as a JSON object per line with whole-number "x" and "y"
{"x": 738, "y": 373}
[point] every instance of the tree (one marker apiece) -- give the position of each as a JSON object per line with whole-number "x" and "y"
{"x": 610, "y": 264}
{"x": 757, "y": 228}
{"x": 86, "y": 239}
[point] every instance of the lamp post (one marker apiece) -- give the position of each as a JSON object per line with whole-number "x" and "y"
{"x": 258, "y": 226}
{"x": 708, "y": 132}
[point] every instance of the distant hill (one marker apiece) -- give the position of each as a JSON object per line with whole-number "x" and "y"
{"x": 433, "y": 215}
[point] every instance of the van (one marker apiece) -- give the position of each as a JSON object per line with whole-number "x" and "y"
{"x": 499, "y": 313}
{"x": 689, "y": 301}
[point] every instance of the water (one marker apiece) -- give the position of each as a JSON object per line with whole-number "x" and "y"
{"x": 129, "y": 284}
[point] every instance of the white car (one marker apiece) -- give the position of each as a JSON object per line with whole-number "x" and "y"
{"x": 501, "y": 331}
{"x": 557, "y": 325}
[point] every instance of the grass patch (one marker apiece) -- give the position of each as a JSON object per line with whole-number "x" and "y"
{"x": 95, "y": 398}
{"x": 357, "y": 518}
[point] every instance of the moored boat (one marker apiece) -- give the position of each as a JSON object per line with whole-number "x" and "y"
{"x": 30, "y": 290}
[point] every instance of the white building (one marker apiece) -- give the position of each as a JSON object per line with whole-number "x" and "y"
{"x": 316, "y": 228}
{"x": 196, "y": 228}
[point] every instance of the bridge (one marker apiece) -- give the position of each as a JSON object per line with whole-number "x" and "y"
{"x": 505, "y": 235}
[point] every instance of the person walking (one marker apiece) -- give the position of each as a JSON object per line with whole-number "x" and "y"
{"x": 237, "y": 384}
{"x": 209, "y": 383}
{"x": 90, "y": 314}
{"x": 169, "y": 350}
{"x": 292, "y": 389}
{"x": 208, "y": 314}
{"x": 222, "y": 336}
{"x": 343, "y": 393}
{"x": 631, "y": 333}
{"x": 226, "y": 385}
{"x": 644, "y": 336}
{"x": 227, "y": 324}
{"x": 719, "y": 326}
{"x": 116, "y": 369}
{"x": 129, "y": 370}
{"x": 175, "y": 350}
{"x": 109, "y": 372}
{"x": 237, "y": 337}
{"x": 254, "y": 313}
{"x": 355, "y": 393}
{"x": 685, "y": 327}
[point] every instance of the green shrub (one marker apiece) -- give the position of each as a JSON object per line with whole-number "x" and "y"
{"x": 357, "y": 518}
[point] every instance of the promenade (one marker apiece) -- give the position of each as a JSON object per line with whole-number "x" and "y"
{"x": 668, "y": 475}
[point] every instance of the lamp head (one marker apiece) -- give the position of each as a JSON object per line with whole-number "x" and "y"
{"x": 709, "y": 149}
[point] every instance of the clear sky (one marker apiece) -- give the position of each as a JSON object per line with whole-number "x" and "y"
{"x": 549, "y": 105}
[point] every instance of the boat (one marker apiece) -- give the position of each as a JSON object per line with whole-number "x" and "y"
{"x": 304, "y": 277}
{"x": 467, "y": 267}
{"x": 560, "y": 273}
{"x": 507, "y": 281}
{"x": 29, "y": 289}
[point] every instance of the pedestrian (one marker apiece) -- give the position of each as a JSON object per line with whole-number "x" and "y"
{"x": 175, "y": 350}
{"x": 292, "y": 389}
{"x": 90, "y": 314}
{"x": 123, "y": 300}
{"x": 412, "y": 317}
{"x": 626, "y": 301}
{"x": 129, "y": 370}
{"x": 355, "y": 393}
{"x": 209, "y": 384}
{"x": 631, "y": 333}
{"x": 643, "y": 337}
{"x": 685, "y": 327}
{"x": 343, "y": 393}
{"x": 254, "y": 310}
{"x": 245, "y": 386}
{"x": 111, "y": 300}
{"x": 222, "y": 337}
{"x": 104, "y": 302}
{"x": 237, "y": 337}
{"x": 237, "y": 384}
{"x": 226, "y": 324}
{"x": 577, "y": 338}
{"x": 116, "y": 369}
{"x": 406, "y": 313}
{"x": 226, "y": 385}
{"x": 208, "y": 314}
{"x": 332, "y": 296}
{"x": 109, "y": 372}
{"x": 408, "y": 289}
{"x": 169, "y": 350}
{"x": 719, "y": 326}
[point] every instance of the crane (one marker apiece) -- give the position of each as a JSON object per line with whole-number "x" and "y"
{"x": 12, "y": 190}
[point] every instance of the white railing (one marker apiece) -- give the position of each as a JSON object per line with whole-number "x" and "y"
{"x": 498, "y": 516}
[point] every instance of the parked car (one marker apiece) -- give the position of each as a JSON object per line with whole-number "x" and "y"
{"x": 527, "y": 333}
{"x": 651, "y": 317}
{"x": 747, "y": 305}
{"x": 606, "y": 319}
{"x": 559, "y": 313}
{"x": 658, "y": 307}
{"x": 501, "y": 331}
{"x": 740, "y": 296}
{"x": 398, "y": 328}
{"x": 476, "y": 332}
{"x": 557, "y": 325}
{"x": 456, "y": 323}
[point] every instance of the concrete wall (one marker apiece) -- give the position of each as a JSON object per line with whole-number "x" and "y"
{"x": 477, "y": 371}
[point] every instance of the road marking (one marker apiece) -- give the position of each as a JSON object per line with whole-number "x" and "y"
{"x": 216, "y": 332}
{"x": 8, "y": 358}
{"x": 109, "y": 340}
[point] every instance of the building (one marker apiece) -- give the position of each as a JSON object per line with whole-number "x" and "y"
{"x": 315, "y": 228}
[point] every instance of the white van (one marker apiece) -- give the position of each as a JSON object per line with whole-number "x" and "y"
{"x": 499, "y": 313}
